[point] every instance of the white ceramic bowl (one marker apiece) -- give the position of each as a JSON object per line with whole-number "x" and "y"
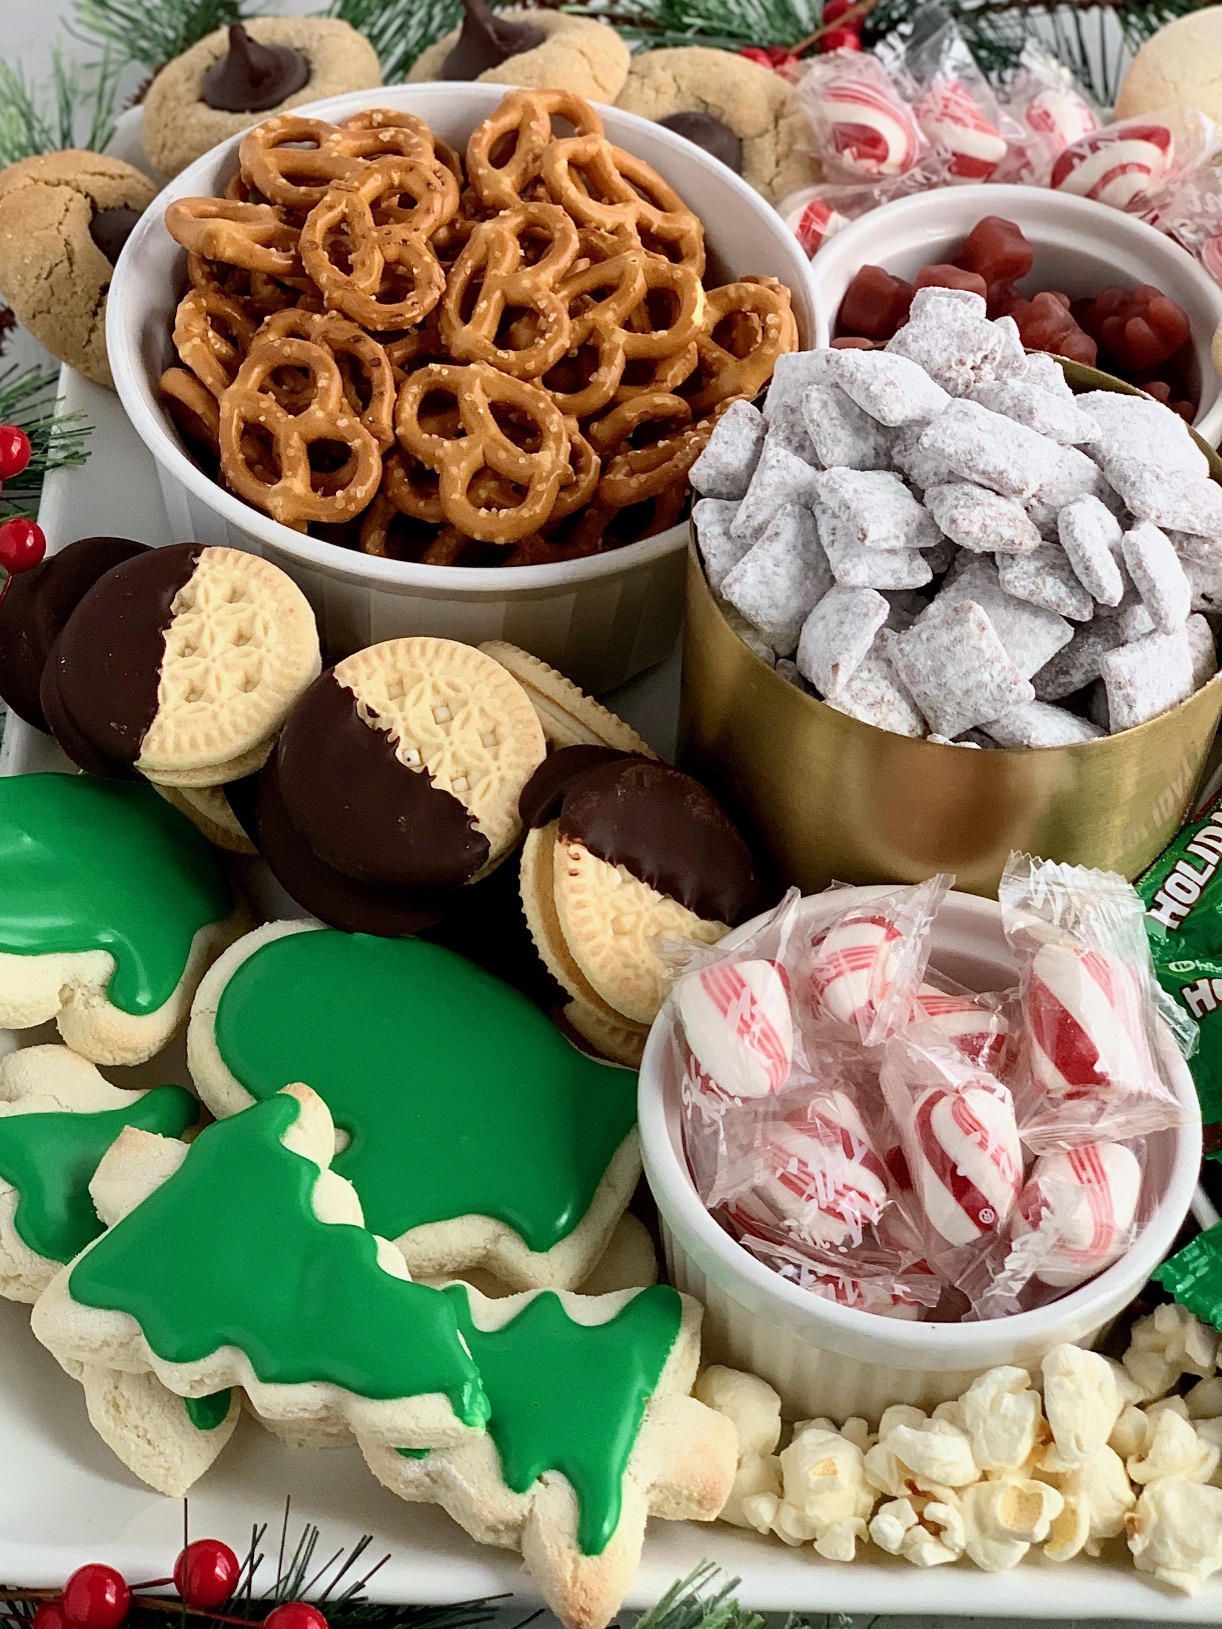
{"x": 833, "y": 1360}
{"x": 600, "y": 619}
{"x": 1080, "y": 247}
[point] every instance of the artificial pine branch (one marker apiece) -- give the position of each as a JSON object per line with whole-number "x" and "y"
{"x": 57, "y": 440}
{"x": 703, "y": 1600}
{"x": 150, "y": 32}
{"x": 77, "y": 109}
{"x": 726, "y": 25}
{"x": 398, "y": 30}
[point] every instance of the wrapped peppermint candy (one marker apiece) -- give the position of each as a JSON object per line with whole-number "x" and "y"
{"x": 1052, "y": 110}
{"x": 956, "y": 123}
{"x": 862, "y": 127}
{"x": 1140, "y": 165}
{"x": 875, "y": 1284}
{"x": 812, "y": 217}
{"x": 978, "y": 1029}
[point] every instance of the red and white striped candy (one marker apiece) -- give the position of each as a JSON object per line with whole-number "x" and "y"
{"x": 864, "y": 1295}
{"x": 1085, "y": 1201}
{"x": 1117, "y": 165}
{"x": 811, "y": 219}
{"x": 855, "y": 964}
{"x": 976, "y": 1033}
{"x": 738, "y": 1027}
{"x": 953, "y": 119}
{"x": 822, "y": 1181}
{"x": 871, "y": 130}
{"x": 1084, "y": 1016}
{"x": 967, "y": 1167}
{"x": 1062, "y": 117}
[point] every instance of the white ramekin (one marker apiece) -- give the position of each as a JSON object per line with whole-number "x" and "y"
{"x": 600, "y": 619}
{"x": 832, "y": 1360}
{"x": 1080, "y": 247}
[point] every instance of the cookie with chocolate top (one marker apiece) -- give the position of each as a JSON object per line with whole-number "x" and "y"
{"x": 64, "y": 218}
{"x": 236, "y": 76}
{"x": 625, "y": 851}
{"x": 737, "y": 110}
{"x": 542, "y": 50}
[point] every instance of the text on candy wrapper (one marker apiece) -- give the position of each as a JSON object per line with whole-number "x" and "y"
{"x": 1184, "y": 883}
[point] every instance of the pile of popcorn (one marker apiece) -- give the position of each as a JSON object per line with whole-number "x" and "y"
{"x": 939, "y": 539}
{"x": 1091, "y": 1451}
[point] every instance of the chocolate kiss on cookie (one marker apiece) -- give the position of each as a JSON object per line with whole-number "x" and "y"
{"x": 486, "y": 41}
{"x": 180, "y": 664}
{"x": 625, "y": 851}
{"x": 250, "y": 78}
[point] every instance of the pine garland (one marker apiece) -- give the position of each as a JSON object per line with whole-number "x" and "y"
{"x": 150, "y": 32}
{"x": 57, "y": 440}
{"x": 398, "y": 30}
{"x": 76, "y": 110}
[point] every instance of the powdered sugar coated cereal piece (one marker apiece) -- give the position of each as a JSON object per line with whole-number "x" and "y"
{"x": 876, "y": 509}
{"x": 1045, "y": 577}
{"x": 1074, "y": 475}
{"x": 920, "y": 468}
{"x": 858, "y": 567}
{"x": 937, "y": 297}
{"x": 1157, "y": 576}
{"x": 890, "y": 388}
{"x": 1205, "y": 581}
{"x": 781, "y": 578}
{"x": 1037, "y": 724}
{"x": 725, "y": 467}
{"x": 981, "y": 520}
{"x": 1146, "y": 678}
{"x": 956, "y": 668}
{"x": 1045, "y": 371}
{"x": 720, "y": 549}
{"x": 787, "y": 428}
{"x": 1136, "y": 429}
{"x": 1182, "y": 503}
{"x": 1196, "y": 546}
{"x": 982, "y": 446}
{"x": 793, "y": 375}
{"x": 840, "y": 433}
{"x": 1203, "y": 649}
{"x": 1031, "y": 634}
{"x": 876, "y": 695}
{"x": 1047, "y": 412}
{"x": 780, "y": 477}
{"x": 1089, "y": 533}
{"x": 954, "y": 342}
{"x": 837, "y": 636}
{"x": 1077, "y": 664}
{"x": 751, "y": 637}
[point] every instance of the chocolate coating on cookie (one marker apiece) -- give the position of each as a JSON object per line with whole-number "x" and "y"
{"x": 251, "y": 77}
{"x": 659, "y": 824}
{"x": 111, "y": 228}
{"x": 101, "y": 679}
{"x": 486, "y": 41}
{"x": 38, "y": 604}
{"x": 360, "y": 808}
{"x": 710, "y": 134}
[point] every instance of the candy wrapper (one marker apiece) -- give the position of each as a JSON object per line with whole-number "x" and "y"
{"x": 1139, "y": 164}
{"x": 873, "y": 1285}
{"x": 969, "y": 134}
{"x": 1052, "y": 111}
{"x": 1090, "y": 1007}
{"x": 977, "y": 1027}
{"x": 1194, "y": 1276}
{"x": 862, "y": 128}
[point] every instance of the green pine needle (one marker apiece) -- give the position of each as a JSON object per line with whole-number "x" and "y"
{"x": 702, "y": 1600}
{"x": 150, "y": 32}
{"x": 726, "y": 25}
{"x": 398, "y": 30}
{"x": 57, "y": 440}
{"x": 77, "y": 109}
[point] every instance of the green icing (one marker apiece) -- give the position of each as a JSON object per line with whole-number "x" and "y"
{"x": 88, "y": 864}
{"x": 570, "y": 1397}
{"x": 229, "y": 1252}
{"x": 414, "y": 1453}
{"x": 459, "y": 1096}
{"x": 206, "y": 1413}
{"x": 49, "y": 1158}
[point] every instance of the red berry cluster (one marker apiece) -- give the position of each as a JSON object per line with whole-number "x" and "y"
{"x": 769, "y": 56}
{"x": 205, "y": 1576}
{"x": 845, "y": 38}
{"x": 22, "y": 544}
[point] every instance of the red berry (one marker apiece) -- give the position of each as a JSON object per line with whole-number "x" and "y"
{"x": 14, "y": 451}
{"x": 837, "y": 8}
{"x": 756, "y": 53}
{"x": 49, "y": 1615}
{"x": 96, "y": 1596}
{"x": 295, "y": 1615}
{"x": 206, "y": 1574}
{"x": 22, "y": 544}
{"x": 840, "y": 39}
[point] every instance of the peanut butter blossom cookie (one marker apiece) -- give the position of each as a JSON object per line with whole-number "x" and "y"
{"x": 542, "y": 50}
{"x": 111, "y": 907}
{"x": 231, "y": 78}
{"x": 493, "y": 1142}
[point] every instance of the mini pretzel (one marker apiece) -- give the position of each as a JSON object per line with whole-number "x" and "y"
{"x": 536, "y": 471}
{"x": 192, "y": 406}
{"x": 523, "y": 121}
{"x": 744, "y": 367}
{"x": 369, "y": 380}
{"x": 603, "y": 186}
{"x": 494, "y": 265}
{"x": 633, "y": 473}
{"x": 585, "y": 467}
{"x": 253, "y": 236}
{"x": 294, "y": 493}
{"x": 212, "y": 334}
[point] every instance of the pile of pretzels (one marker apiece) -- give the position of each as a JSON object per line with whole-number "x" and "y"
{"x": 507, "y": 357}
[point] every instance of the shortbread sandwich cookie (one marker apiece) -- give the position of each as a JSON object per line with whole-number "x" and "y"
{"x": 208, "y": 808}
{"x": 180, "y": 664}
{"x": 592, "y": 1430}
{"x": 112, "y": 908}
{"x": 569, "y": 717}
{"x": 288, "y": 1297}
{"x": 473, "y": 1132}
{"x": 624, "y": 852}
{"x": 58, "y": 1117}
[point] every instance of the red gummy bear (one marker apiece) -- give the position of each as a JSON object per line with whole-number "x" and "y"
{"x": 875, "y": 304}
{"x": 1137, "y": 329}
{"x": 1046, "y": 324}
{"x": 1002, "y": 297}
{"x": 943, "y": 275}
{"x": 997, "y": 250}
{"x": 852, "y": 342}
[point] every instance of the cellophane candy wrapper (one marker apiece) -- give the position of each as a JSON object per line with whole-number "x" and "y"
{"x": 869, "y": 1285}
{"x": 862, "y": 129}
{"x": 1141, "y": 165}
{"x": 969, "y": 134}
{"x": 1051, "y": 109}
{"x": 1079, "y": 1211}
{"x": 1093, "y": 1058}
{"x": 865, "y": 964}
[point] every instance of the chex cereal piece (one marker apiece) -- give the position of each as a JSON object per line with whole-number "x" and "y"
{"x": 793, "y": 375}
{"x": 1196, "y": 545}
{"x": 1135, "y": 429}
{"x": 1184, "y": 503}
{"x": 981, "y": 520}
{"x": 1031, "y": 634}
{"x": 1131, "y": 616}
{"x": 876, "y": 509}
{"x": 1037, "y": 724}
{"x": 841, "y": 434}
{"x": 1204, "y": 650}
{"x": 983, "y": 446}
{"x": 936, "y": 295}
{"x": 1157, "y": 576}
{"x": 1045, "y": 577}
{"x": 1077, "y": 664}
{"x": 1045, "y": 370}
{"x": 781, "y": 578}
{"x": 751, "y": 637}
{"x": 1205, "y": 579}
{"x": 725, "y": 467}
{"x": 1047, "y": 412}
{"x": 787, "y": 428}
{"x": 1089, "y": 532}
{"x": 719, "y": 548}
{"x": 876, "y": 695}
{"x": 780, "y": 477}
{"x": 955, "y": 344}
{"x": 956, "y": 668}
{"x": 837, "y": 636}
{"x": 1147, "y": 678}
{"x": 1074, "y": 475}
{"x": 921, "y": 468}
{"x": 859, "y": 567}
{"x": 892, "y": 389}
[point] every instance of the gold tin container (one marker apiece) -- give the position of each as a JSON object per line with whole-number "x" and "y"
{"x": 830, "y": 798}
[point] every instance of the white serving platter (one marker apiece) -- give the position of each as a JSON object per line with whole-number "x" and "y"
{"x": 65, "y": 1499}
